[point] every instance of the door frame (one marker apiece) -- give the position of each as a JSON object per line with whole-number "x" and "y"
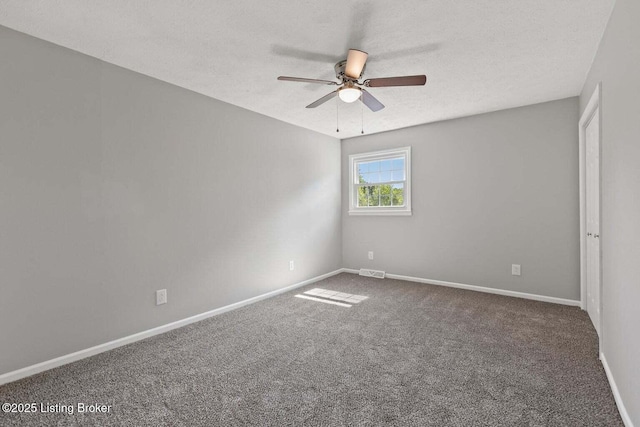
{"x": 585, "y": 119}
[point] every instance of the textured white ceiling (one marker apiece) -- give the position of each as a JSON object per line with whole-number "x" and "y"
{"x": 478, "y": 55}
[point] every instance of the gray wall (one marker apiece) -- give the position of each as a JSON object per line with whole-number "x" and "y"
{"x": 617, "y": 66}
{"x": 113, "y": 185}
{"x": 488, "y": 191}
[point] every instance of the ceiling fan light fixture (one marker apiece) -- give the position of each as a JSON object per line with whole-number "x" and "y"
{"x": 349, "y": 94}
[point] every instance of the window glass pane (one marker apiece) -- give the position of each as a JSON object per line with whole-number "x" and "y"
{"x": 385, "y": 165}
{"x": 363, "y": 168}
{"x": 397, "y": 175}
{"x": 362, "y": 196}
{"x": 374, "y": 195}
{"x": 398, "y": 164}
{"x": 374, "y": 166}
{"x": 385, "y": 195}
{"x": 385, "y": 176}
{"x": 397, "y": 191}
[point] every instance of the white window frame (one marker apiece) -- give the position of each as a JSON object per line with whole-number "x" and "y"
{"x": 354, "y": 209}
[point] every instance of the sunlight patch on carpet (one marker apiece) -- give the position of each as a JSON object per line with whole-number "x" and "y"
{"x": 335, "y": 295}
{"x": 326, "y": 301}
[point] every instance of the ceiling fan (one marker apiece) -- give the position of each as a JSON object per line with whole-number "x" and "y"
{"x": 348, "y": 71}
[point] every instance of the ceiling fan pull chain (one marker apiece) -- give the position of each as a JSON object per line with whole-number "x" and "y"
{"x": 361, "y": 115}
{"x": 337, "y": 116}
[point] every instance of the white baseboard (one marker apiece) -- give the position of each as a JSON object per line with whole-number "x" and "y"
{"x": 626, "y": 419}
{"x": 478, "y": 289}
{"x": 82, "y": 354}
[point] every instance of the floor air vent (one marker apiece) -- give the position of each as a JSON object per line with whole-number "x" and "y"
{"x": 372, "y": 273}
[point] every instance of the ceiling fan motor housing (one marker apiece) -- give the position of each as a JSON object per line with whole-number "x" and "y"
{"x": 340, "y": 75}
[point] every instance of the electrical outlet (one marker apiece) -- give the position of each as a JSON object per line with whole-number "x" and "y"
{"x": 291, "y": 265}
{"x": 161, "y": 297}
{"x": 370, "y": 254}
{"x": 515, "y": 269}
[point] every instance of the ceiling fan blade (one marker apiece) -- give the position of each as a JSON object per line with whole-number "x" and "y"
{"x": 397, "y": 81}
{"x": 355, "y": 63}
{"x": 323, "y": 99}
{"x": 371, "y": 102}
{"x": 303, "y": 80}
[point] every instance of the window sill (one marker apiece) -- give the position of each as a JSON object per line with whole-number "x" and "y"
{"x": 378, "y": 212}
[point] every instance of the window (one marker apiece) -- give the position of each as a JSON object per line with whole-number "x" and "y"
{"x": 380, "y": 183}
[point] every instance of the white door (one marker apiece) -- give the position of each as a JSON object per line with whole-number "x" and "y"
{"x": 592, "y": 190}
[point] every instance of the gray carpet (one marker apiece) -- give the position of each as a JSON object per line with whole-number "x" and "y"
{"x": 410, "y": 354}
